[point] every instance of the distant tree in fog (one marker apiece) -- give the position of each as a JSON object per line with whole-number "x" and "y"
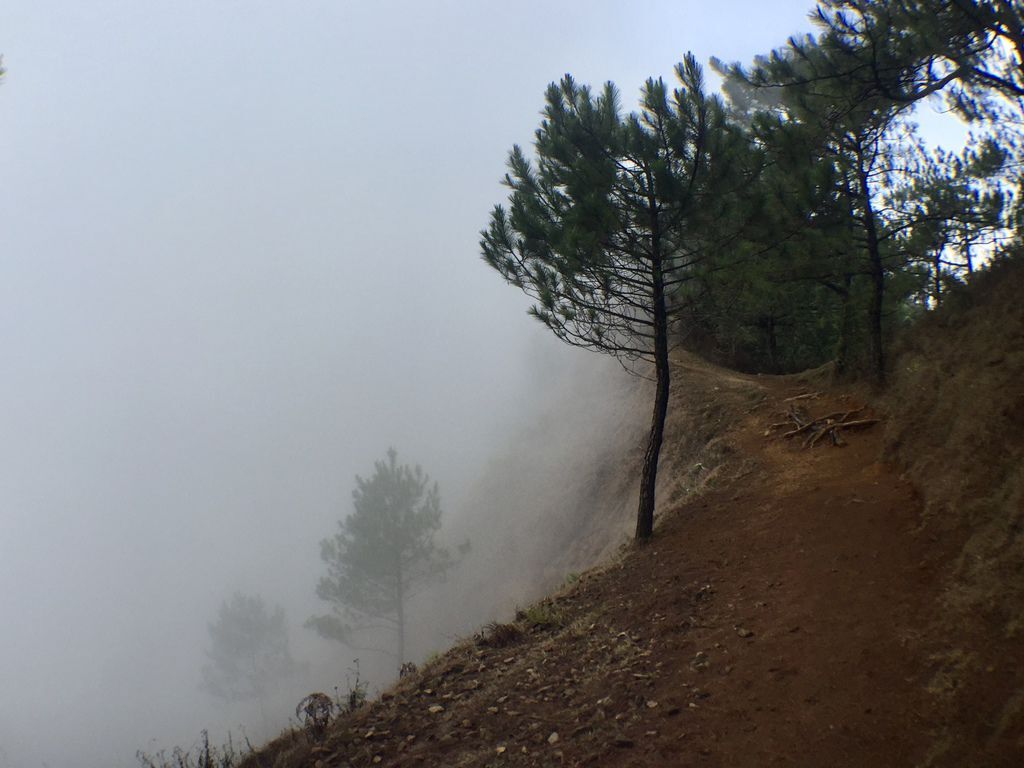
{"x": 383, "y": 552}
{"x": 248, "y": 650}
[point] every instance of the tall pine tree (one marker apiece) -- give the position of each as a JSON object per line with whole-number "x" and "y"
{"x": 612, "y": 217}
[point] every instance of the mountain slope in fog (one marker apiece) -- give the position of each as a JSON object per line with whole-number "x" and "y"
{"x": 799, "y": 604}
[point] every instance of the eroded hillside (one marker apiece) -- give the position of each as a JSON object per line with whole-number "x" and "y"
{"x": 799, "y": 605}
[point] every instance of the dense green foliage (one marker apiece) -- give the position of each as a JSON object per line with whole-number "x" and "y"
{"x": 618, "y": 214}
{"x": 799, "y": 221}
{"x": 383, "y": 551}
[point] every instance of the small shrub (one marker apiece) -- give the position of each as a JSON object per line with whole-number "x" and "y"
{"x": 356, "y": 695}
{"x": 497, "y": 635}
{"x": 314, "y": 712}
{"x": 202, "y": 756}
{"x": 544, "y": 615}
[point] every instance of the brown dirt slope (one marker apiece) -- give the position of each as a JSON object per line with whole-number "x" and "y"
{"x": 800, "y": 607}
{"x": 958, "y": 427}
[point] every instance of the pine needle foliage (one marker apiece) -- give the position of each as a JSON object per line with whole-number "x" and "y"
{"x": 383, "y": 552}
{"x": 612, "y": 215}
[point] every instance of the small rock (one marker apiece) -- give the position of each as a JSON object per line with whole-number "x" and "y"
{"x": 553, "y": 738}
{"x": 500, "y": 750}
{"x": 435, "y": 709}
{"x": 652, "y": 705}
{"x": 743, "y": 632}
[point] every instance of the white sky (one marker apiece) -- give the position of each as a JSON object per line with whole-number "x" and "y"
{"x": 238, "y": 260}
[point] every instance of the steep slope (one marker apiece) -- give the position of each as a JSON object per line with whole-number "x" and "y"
{"x": 561, "y": 496}
{"x": 958, "y": 428}
{"x": 798, "y": 606}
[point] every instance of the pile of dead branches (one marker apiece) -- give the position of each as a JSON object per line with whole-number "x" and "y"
{"x": 814, "y": 429}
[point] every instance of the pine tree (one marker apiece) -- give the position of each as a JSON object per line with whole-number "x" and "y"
{"x": 248, "y": 650}
{"x": 971, "y": 51}
{"x": 382, "y": 554}
{"x": 613, "y": 217}
{"x": 861, "y": 134}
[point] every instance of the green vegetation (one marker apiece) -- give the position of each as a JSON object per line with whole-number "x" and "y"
{"x": 799, "y": 221}
{"x": 542, "y": 615}
{"x": 248, "y": 650}
{"x": 384, "y": 551}
{"x": 615, "y": 217}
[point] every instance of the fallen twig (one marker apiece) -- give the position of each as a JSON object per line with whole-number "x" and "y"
{"x": 805, "y": 396}
{"x": 821, "y": 427}
{"x": 860, "y": 423}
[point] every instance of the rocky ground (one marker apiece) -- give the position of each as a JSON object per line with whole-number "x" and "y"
{"x": 784, "y": 615}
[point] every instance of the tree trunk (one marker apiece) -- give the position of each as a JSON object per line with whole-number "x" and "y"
{"x": 400, "y": 611}
{"x": 845, "y": 327}
{"x": 877, "y": 272}
{"x": 649, "y": 475}
{"x": 773, "y": 344}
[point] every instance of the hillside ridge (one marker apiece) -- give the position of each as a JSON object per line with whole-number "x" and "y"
{"x": 799, "y": 605}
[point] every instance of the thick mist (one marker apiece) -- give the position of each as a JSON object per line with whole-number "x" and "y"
{"x": 238, "y": 261}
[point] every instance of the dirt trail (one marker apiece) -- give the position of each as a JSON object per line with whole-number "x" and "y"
{"x": 780, "y": 618}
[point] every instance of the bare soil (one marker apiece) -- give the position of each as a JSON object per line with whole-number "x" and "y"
{"x": 797, "y": 606}
{"x": 784, "y": 615}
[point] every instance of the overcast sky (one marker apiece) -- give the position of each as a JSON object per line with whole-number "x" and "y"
{"x": 238, "y": 260}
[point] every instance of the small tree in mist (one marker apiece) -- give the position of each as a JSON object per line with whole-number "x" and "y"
{"x": 383, "y": 552}
{"x": 248, "y": 650}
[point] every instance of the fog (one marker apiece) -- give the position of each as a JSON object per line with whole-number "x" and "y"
{"x": 238, "y": 261}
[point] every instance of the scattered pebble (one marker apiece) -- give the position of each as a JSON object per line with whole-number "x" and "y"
{"x": 435, "y": 709}
{"x": 553, "y": 738}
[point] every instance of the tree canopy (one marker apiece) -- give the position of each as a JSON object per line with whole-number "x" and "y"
{"x": 799, "y": 222}
{"x": 248, "y": 649}
{"x": 383, "y": 552}
{"x": 613, "y": 215}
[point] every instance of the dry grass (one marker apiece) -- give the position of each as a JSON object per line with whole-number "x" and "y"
{"x": 498, "y": 635}
{"x": 958, "y": 427}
